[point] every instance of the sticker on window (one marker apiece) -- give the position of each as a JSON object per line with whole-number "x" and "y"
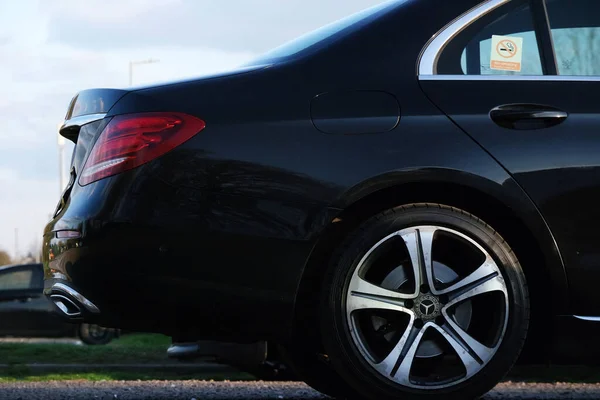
{"x": 507, "y": 53}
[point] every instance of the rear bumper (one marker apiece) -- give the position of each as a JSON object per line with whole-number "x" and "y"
{"x": 110, "y": 281}
{"x": 159, "y": 280}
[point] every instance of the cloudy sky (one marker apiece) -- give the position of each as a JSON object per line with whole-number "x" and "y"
{"x": 50, "y": 49}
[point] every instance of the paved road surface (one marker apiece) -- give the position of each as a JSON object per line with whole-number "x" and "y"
{"x": 199, "y": 390}
{"x": 75, "y": 342}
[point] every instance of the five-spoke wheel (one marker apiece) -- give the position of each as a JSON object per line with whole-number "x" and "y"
{"x": 423, "y": 299}
{"x": 436, "y": 311}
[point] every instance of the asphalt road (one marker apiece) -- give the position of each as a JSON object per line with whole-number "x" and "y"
{"x": 189, "y": 390}
{"x": 75, "y": 342}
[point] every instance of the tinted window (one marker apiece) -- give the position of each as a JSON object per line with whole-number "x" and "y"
{"x": 576, "y": 33}
{"x": 16, "y": 280}
{"x": 503, "y": 43}
{"x": 310, "y": 39}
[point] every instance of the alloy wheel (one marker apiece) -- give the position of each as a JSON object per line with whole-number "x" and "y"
{"x": 427, "y": 307}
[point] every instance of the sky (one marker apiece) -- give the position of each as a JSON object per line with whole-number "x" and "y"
{"x": 51, "y": 49}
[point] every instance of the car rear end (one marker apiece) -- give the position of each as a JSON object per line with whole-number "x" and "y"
{"x": 104, "y": 247}
{"x": 196, "y": 230}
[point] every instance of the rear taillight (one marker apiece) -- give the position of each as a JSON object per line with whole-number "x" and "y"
{"x": 129, "y": 141}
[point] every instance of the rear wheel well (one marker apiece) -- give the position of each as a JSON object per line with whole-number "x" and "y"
{"x": 489, "y": 209}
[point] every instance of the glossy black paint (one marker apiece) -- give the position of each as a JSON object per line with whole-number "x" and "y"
{"x": 355, "y": 112}
{"x": 214, "y": 238}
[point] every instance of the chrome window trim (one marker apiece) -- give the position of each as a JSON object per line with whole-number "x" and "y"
{"x": 433, "y": 49}
{"x": 522, "y": 78}
{"x": 82, "y": 120}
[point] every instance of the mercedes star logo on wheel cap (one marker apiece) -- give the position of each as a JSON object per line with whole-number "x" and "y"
{"x": 427, "y": 307}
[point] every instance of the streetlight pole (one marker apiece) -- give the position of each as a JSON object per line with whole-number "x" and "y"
{"x": 16, "y": 260}
{"x": 140, "y": 62}
{"x": 130, "y": 73}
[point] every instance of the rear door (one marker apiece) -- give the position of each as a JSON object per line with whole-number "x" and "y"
{"x": 522, "y": 78}
{"x": 21, "y": 282}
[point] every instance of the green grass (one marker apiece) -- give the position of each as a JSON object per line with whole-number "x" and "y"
{"x": 134, "y": 348}
{"x": 142, "y": 340}
{"x": 128, "y": 349}
{"x": 22, "y": 373}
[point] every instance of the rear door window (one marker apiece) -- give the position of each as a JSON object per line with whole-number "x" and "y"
{"x": 16, "y": 279}
{"x": 510, "y": 31}
{"x": 575, "y": 26}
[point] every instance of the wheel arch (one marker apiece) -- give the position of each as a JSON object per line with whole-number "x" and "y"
{"x": 501, "y": 203}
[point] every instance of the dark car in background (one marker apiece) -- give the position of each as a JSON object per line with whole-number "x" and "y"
{"x": 26, "y": 313}
{"x": 403, "y": 200}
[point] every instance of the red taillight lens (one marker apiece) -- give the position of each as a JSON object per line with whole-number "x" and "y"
{"x": 129, "y": 141}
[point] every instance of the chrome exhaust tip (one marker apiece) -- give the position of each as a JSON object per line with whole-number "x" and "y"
{"x": 66, "y": 306}
{"x": 70, "y": 301}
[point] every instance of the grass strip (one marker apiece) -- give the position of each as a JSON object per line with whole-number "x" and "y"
{"x": 135, "y": 348}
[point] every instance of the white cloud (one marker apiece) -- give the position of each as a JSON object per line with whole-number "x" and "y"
{"x": 26, "y": 206}
{"x": 105, "y": 11}
{"x": 236, "y": 25}
{"x": 7, "y": 176}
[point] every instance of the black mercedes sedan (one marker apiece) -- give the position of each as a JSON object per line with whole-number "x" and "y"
{"x": 404, "y": 200}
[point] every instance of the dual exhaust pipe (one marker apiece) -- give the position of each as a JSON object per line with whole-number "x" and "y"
{"x": 70, "y": 302}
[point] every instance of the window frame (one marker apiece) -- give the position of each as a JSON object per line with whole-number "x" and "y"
{"x": 33, "y": 290}
{"x": 544, "y": 36}
{"x": 430, "y": 56}
{"x": 470, "y": 38}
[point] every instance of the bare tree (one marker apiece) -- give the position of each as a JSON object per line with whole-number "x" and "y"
{"x": 4, "y": 258}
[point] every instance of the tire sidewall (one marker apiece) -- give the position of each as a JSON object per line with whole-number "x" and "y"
{"x": 346, "y": 358}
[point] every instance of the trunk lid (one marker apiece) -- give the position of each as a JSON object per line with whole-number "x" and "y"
{"x": 93, "y": 101}
{"x": 84, "y": 121}
{"x": 86, "y": 107}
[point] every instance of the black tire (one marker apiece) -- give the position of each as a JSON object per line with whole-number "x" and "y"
{"x": 95, "y": 335}
{"x": 336, "y": 319}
